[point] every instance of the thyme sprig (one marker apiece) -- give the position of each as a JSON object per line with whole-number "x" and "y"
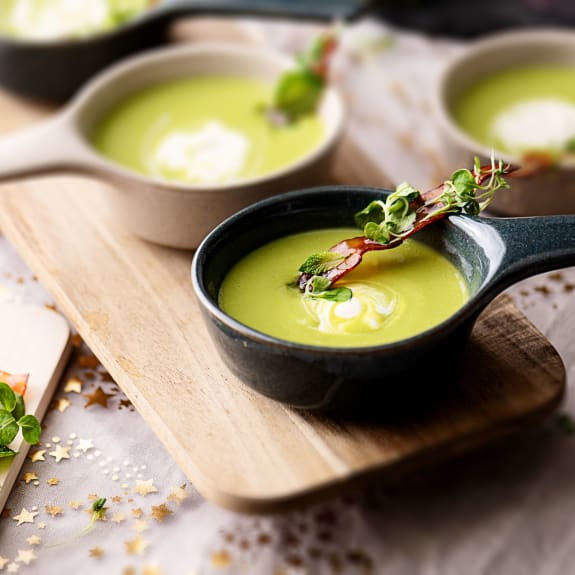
{"x": 387, "y": 222}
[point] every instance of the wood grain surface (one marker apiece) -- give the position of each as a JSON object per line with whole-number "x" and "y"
{"x": 133, "y": 304}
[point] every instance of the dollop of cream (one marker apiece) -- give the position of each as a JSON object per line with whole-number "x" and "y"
{"x": 537, "y": 124}
{"x": 367, "y": 310}
{"x": 213, "y": 154}
{"x": 59, "y": 18}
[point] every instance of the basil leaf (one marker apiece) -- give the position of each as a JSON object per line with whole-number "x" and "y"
{"x": 376, "y": 233}
{"x": 319, "y": 284}
{"x": 7, "y": 397}
{"x": 337, "y": 294}
{"x": 19, "y": 409}
{"x": 373, "y": 212}
{"x": 8, "y": 427}
{"x": 319, "y": 263}
{"x": 30, "y": 429}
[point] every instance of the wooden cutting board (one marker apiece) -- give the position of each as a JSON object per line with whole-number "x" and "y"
{"x": 34, "y": 341}
{"x": 133, "y": 304}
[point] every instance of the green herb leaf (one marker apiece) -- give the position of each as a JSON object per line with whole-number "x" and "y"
{"x": 8, "y": 428}
{"x": 6, "y": 452}
{"x": 298, "y": 93}
{"x": 320, "y": 263}
{"x": 7, "y": 397}
{"x": 19, "y": 409}
{"x": 373, "y": 212}
{"x": 30, "y": 429}
{"x": 319, "y": 287}
{"x": 570, "y": 145}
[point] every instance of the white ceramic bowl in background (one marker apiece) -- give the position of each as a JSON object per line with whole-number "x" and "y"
{"x": 168, "y": 213}
{"x": 549, "y": 192}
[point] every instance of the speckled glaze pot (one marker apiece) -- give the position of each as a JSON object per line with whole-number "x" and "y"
{"x": 491, "y": 253}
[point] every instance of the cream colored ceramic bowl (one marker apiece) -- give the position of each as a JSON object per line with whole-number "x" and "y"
{"x": 167, "y": 213}
{"x": 550, "y": 192}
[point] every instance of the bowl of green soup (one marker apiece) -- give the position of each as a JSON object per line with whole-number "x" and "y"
{"x": 182, "y": 136}
{"x": 410, "y": 305}
{"x": 513, "y": 93}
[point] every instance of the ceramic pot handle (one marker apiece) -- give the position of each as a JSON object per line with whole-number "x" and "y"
{"x": 304, "y": 9}
{"x": 50, "y": 146}
{"x": 536, "y": 244}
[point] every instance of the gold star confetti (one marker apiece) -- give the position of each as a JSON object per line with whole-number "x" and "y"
{"x": 116, "y": 499}
{"x": 88, "y": 361}
{"x": 53, "y": 481}
{"x": 221, "y": 559}
{"x": 118, "y": 518}
{"x": 85, "y": 445}
{"x": 38, "y": 455}
{"x": 13, "y": 568}
{"x": 28, "y": 477}
{"x": 96, "y": 552}
{"x": 160, "y": 512}
{"x": 34, "y": 540}
{"x": 137, "y": 513}
{"x": 93, "y": 497}
{"x": 178, "y": 494}
{"x": 73, "y": 385}
{"x": 54, "y": 510}
{"x": 3, "y": 562}
{"x": 145, "y": 487}
{"x": 62, "y": 404}
{"x": 136, "y": 546}
{"x": 41, "y": 525}
{"x": 60, "y": 453}
{"x": 25, "y": 556}
{"x": 75, "y": 504}
{"x": 151, "y": 570}
{"x": 25, "y": 516}
{"x": 140, "y": 526}
{"x": 98, "y": 397}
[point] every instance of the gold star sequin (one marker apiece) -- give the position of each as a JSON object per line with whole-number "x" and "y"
{"x": 221, "y": 559}
{"x": 73, "y": 385}
{"x": 25, "y": 556}
{"x": 116, "y": 499}
{"x": 118, "y": 518}
{"x": 136, "y": 546}
{"x": 85, "y": 445}
{"x": 62, "y": 404}
{"x": 96, "y": 552}
{"x": 54, "y": 510}
{"x": 145, "y": 487}
{"x": 28, "y": 477}
{"x": 160, "y": 512}
{"x": 38, "y": 455}
{"x": 140, "y": 526}
{"x": 25, "y": 516}
{"x": 98, "y": 397}
{"x": 178, "y": 494}
{"x": 34, "y": 540}
{"x": 41, "y": 525}
{"x": 60, "y": 453}
{"x": 92, "y": 497}
{"x": 53, "y": 481}
{"x": 75, "y": 504}
{"x": 13, "y": 568}
{"x": 137, "y": 513}
{"x": 3, "y": 562}
{"x": 151, "y": 570}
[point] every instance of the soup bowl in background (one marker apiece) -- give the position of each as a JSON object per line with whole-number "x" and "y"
{"x": 490, "y": 253}
{"x": 550, "y": 191}
{"x": 170, "y": 213}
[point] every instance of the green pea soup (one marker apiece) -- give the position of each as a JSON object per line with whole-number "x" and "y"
{"x": 522, "y": 109}
{"x": 204, "y": 130}
{"x": 397, "y": 293}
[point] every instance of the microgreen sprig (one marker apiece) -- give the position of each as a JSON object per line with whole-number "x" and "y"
{"x": 386, "y": 223}
{"x": 13, "y": 419}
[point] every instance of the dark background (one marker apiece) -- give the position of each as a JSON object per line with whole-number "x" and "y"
{"x": 472, "y": 18}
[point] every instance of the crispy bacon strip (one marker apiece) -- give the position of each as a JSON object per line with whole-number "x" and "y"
{"x": 353, "y": 249}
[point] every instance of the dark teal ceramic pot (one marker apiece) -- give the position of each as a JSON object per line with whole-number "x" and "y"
{"x": 491, "y": 253}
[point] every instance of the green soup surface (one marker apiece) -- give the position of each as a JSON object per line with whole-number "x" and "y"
{"x": 397, "y": 293}
{"x": 204, "y": 130}
{"x": 57, "y": 19}
{"x": 530, "y": 108}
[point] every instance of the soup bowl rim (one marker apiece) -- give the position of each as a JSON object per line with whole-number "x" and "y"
{"x": 473, "y": 304}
